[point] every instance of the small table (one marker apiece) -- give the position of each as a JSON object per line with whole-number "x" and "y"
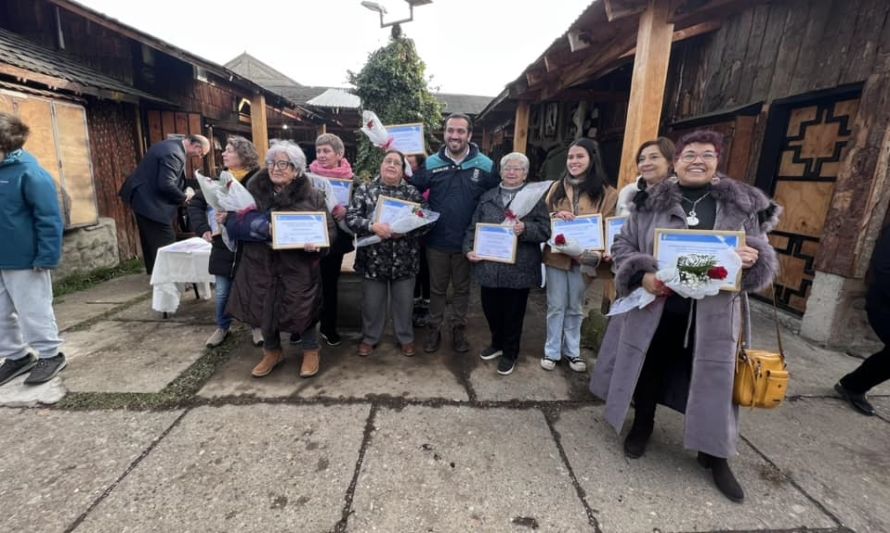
{"x": 176, "y": 267}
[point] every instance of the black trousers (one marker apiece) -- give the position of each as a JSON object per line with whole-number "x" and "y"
{"x": 876, "y": 369}
{"x": 153, "y": 235}
{"x": 422, "y": 286}
{"x": 505, "y": 310}
{"x": 667, "y": 368}
{"x": 330, "y": 275}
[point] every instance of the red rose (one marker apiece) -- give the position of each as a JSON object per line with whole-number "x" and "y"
{"x": 510, "y": 215}
{"x": 419, "y": 214}
{"x": 717, "y": 272}
{"x": 560, "y": 240}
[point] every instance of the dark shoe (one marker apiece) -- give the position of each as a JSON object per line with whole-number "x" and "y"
{"x": 12, "y": 368}
{"x": 408, "y": 349}
{"x": 46, "y": 369}
{"x": 421, "y": 317}
{"x": 332, "y": 338}
{"x": 637, "y": 439}
{"x": 295, "y": 338}
{"x": 506, "y": 366}
{"x": 459, "y": 340}
{"x": 723, "y": 476}
{"x": 433, "y": 341}
{"x": 858, "y": 401}
{"x": 490, "y": 353}
{"x": 365, "y": 349}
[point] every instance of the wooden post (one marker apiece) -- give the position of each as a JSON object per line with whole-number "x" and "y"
{"x": 258, "y": 125}
{"x": 520, "y": 128}
{"x": 321, "y": 130}
{"x": 647, "y": 84}
{"x": 212, "y": 155}
{"x": 486, "y": 141}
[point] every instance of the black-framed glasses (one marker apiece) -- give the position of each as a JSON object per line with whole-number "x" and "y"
{"x": 281, "y": 165}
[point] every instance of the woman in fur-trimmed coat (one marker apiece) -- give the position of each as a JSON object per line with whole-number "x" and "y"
{"x": 676, "y": 351}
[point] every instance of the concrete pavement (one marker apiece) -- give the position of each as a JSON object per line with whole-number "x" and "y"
{"x": 159, "y": 434}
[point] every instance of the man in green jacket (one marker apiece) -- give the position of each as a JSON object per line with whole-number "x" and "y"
{"x": 31, "y": 225}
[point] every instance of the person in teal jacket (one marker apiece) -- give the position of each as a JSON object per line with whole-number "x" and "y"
{"x": 31, "y": 225}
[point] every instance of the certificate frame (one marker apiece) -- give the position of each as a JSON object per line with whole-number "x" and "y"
{"x": 408, "y": 138}
{"x": 598, "y": 217}
{"x": 279, "y": 216}
{"x": 610, "y": 233}
{"x": 338, "y": 184}
{"x": 383, "y": 200}
{"x": 499, "y": 228}
{"x": 731, "y": 285}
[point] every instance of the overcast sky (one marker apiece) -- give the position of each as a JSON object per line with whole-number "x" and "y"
{"x": 469, "y": 46}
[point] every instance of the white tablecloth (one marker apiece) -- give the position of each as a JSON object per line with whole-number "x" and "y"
{"x": 178, "y": 266}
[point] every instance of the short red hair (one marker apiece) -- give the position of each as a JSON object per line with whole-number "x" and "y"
{"x": 703, "y": 137}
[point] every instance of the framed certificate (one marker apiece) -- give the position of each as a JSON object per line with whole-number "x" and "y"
{"x": 586, "y": 231}
{"x": 342, "y": 190}
{"x": 296, "y": 229}
{"x": 389, "y": 209}
{"x": 407, "y": 138}
{"x": 494, "y": 242}
{"x": 613, "y": 228}
{"x": 671, "y": 244}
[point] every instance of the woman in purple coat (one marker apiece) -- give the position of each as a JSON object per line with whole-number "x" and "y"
{"x": 677, "y": 351}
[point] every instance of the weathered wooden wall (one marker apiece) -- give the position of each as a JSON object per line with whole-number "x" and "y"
{"x": 113, "y": 144}
{"x": 777, "y": 50}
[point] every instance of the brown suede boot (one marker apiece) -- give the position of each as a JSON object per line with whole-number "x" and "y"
{"x": 271, "y": 359}
{"x": 310, "y": 364}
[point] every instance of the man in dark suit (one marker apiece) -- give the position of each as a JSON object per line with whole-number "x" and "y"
{"x": 157, "y": 188}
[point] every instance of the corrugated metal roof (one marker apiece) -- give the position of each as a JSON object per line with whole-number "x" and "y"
{"x": 336, "y": 98}
{"x": 23, "y": 54}
{"x": 463, "y": 103}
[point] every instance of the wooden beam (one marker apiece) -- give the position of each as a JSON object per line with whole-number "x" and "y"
{"x": 321, "y": 130}
{"x": 578, "y": 40}
{"x": 534, "y": 77}
{"x": 617, "y": 9}
{"x": 520, "y": 128}
{"x": 647, "y": 84}
{"x": 486, "y": 141}
{"x": 685, "y": 33}
{"x": 604, "y": 57}
{"x": 259, "y": 125}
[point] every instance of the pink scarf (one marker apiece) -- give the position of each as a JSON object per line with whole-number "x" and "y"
{"x": 343, "y": 172}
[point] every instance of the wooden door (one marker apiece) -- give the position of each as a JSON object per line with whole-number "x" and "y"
{"x": 814, "y": 135}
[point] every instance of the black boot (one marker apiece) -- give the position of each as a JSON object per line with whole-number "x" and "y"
{"x": 637, "y": 438}
{"x": 459, "y": 340}
{"x": 723, "y": 476}
{"x": 433, "y": 340}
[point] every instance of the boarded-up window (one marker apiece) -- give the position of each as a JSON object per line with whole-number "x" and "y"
{"x": 60, "y": 142}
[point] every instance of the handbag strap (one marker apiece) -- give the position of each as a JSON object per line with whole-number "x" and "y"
{"x": 745, "y": 323}
{"x": 776, "y": 320}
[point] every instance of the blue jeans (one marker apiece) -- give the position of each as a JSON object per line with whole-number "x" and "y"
{"x": 565, "y": 301}
{"x": 223, "y": 288}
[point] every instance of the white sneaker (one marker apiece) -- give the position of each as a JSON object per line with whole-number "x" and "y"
{"x": 257, "y": 335}
{"x": 548, "y": 364}
{"x": 217, "y": 338}
{"x": 578, "y": 365}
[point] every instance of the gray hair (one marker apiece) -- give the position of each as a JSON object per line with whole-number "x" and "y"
{"x": 293, "y": 152}
{"x": 516, "y": 156}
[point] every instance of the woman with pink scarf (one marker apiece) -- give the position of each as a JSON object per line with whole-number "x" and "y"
{"x": 331, "y": 163}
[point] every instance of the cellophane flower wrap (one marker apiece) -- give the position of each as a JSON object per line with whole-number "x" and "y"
{"x": 373, "y": 128}
{"x": 525, "y": 200}
{"x": 225, "y": 194}
{"x": 407, "y": 221}
{"x": 696, "y": 275}
{"x": 561, "y": 244}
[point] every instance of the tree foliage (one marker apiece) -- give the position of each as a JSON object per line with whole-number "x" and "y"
{"x": 394, "y": 85}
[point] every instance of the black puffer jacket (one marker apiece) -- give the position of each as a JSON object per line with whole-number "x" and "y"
{"x": 392, "y": 259}
{"x": 526, "y": 272}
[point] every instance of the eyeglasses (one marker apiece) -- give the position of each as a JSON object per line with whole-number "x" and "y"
{"x": 393, "y": 162}
{"x": 689, "y": 157}
{"x": 513, "y": 169}
{"x": 281, "y": 165}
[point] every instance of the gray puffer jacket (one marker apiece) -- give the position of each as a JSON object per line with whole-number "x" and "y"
{"x": 526, "y": 272}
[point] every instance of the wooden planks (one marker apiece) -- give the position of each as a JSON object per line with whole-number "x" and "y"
{"x": 77, "y": 171}
{"x": 520, "y": 128}
{"x": 258, "y": 125}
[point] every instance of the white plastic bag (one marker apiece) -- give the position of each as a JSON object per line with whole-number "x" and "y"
{"x": 407, "y": 222}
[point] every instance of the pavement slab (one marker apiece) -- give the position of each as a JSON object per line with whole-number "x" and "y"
{"x": 464, "y": 469}
{"x": 241, "y": 468}
{"x": 666, "y": 489}
{"x": 838, "y": 456}
{"x": 73, "y": 309}
{"x": 55, "y": 464}
{"x": 113, "y": 356}
{"x": 343, "y": 375}
{"x": 191, "y": 310}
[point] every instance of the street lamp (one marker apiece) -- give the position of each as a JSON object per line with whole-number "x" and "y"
{"x": 374, "y": 6}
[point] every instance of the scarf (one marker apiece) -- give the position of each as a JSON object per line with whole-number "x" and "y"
{"x": 239, "y": 174}
{"x": 343, "y": 172}
{"x": 12, "y": 156}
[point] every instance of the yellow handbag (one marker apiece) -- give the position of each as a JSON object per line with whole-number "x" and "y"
{"x": 761, "y": 377}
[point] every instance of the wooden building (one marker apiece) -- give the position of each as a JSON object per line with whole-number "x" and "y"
{"x": 97, "y": 93}
{"x": 800, "y": 88}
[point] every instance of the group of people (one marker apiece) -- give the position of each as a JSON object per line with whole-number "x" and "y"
{"x": 675, "y": 351}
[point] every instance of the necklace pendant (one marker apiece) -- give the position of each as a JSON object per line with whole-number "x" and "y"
{"x": 691, "y": 220}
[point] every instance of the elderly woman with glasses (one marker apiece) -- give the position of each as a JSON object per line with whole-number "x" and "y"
{"x": 279, "y": 290}
{"x": 677, "y": 351}
{"x": 504, "y": 287}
